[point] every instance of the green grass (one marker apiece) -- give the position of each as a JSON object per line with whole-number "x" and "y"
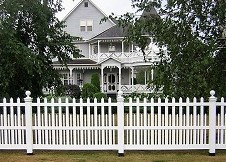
{"x": 111, "y": 156}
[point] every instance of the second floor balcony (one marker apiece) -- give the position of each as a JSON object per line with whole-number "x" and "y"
{"x": 123, "y": 52}
{"x": 126, "y": 57}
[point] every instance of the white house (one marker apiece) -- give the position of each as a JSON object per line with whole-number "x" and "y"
{"x": 104, "y": 51}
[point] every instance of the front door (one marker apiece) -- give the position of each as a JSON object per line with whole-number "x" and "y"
{"x": 111, "y": 83}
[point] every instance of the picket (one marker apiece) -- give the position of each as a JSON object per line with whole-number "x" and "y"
{"x": 167, "y": 124}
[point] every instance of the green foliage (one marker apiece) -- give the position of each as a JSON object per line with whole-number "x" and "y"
{"x": 73, "y": 91}
{"x": 88, "y": 90}
{"x": 99, "y": 96}
{"x": 31, "y": 36}
{"x": 95, "y": 80}
{"x": 140, "y": 78}
{"x": 187, "y": 33}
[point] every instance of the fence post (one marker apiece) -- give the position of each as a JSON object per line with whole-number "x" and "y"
{"x": 28, "y": 118}
{"x": 120, "y": 112}
{"x": 212, "y": 123}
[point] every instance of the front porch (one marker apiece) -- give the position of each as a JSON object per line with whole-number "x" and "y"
{"x": 114, "y": 75}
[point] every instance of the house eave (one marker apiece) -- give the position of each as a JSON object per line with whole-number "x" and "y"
{"x": 78, "y": 66}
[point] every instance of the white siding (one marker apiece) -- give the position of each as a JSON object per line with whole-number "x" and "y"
{"x": 86, "y": 13}
{"x": 84, "y": 48}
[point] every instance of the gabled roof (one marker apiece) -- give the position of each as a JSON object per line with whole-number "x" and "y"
{"x": 149, "y": 12}
{"x": 92, "y": 4}
{"x": 120, "y": 32}
{"x": 115, "y": 31}
{"x": 110, "y": 58}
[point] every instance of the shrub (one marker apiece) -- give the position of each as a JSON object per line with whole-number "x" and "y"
{"x": 89, "y": 90}
{"x": 100, "y": 95}
{"x": 95, "y": 80}
{"x": 140, "y": 78}
{"x": 73, "y": 91}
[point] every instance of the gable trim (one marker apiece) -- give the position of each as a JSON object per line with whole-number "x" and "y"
{"x": 92, "y": 4}
{"x": 110, "y": 58}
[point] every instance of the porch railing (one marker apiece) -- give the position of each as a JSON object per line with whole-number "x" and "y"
{"x": 125, "y": 57}
{"x": 136, "y": 88}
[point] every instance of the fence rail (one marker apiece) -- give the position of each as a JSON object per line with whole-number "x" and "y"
{"x": 107, "y": 125}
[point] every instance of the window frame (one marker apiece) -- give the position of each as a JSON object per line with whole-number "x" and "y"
{"x": 86, "y": 25}
{"x": 66, "y": 78}
{"x": 86, "y": 4}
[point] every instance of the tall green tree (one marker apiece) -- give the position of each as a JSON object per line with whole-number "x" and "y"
{"x": 188, "y": 35}
{"x": 31, "y": 36}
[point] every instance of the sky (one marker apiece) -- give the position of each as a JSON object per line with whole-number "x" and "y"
{"x": 118, "y": 7}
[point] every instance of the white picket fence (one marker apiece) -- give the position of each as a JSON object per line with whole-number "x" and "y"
{"x": 107, "y": 125}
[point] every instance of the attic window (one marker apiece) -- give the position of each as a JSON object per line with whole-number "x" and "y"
{"x": 86, "y": 25}
{"x": 86, "y": 4}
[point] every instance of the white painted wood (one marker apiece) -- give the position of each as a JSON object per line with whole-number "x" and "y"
{"x": 173, "y": 121}
{"x": 58, "y": 125}
{"x": 28, "y": 115}
{"x": 120, "y": 113}
{"x": 212, "y": 123}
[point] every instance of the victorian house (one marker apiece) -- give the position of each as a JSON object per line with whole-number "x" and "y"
{"x": 104, "y": 51}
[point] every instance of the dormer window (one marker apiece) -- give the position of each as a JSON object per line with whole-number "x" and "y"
{"x": 86, "y": 4}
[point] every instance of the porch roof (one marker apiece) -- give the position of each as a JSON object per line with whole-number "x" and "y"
{"x": 78, "y": 62}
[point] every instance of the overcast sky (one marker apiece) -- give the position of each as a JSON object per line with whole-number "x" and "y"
{"x": 119, "y": 7}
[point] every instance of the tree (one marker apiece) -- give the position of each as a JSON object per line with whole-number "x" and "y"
{"x": 73, "y": 91}
{"x": 31, "y": 36}
{"x": 88, "y": 90}
{"x": 95, "y": 80}
{"x": 187, "y": 33}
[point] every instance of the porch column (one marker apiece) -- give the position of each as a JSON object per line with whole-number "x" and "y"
{"x": 145, "y": 73}
{"x": 102, "y": 79}
{"x": 152, "y": 74}
{"x": 71, "y": 81}
{"x": 122, "y": 47}
{"x": 120, "y": 77}
{"x": 132, "y": 80}
{"x": 89, "y": 50}
{"x": 98, "y": 50}
{"x": 148, "y": 76}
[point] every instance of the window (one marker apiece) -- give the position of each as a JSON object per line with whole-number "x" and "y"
{"x": 89, "y": 28}
{"x": 82, "y": 28}
{"x": 86, "y": 4}
{"x": 95, "y": 49}
{"x": 65, "y": 79}
{"x": 83, "y": 25}
{"x": 89, "y": 25}
{"x": 79, "y": 79}
{"x": 86, "y": 25}
{"x": 111, "y": 48}
{"x": 105, "y": 78}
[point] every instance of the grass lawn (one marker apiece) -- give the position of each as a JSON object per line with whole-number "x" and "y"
{"x": 111, "y": 156}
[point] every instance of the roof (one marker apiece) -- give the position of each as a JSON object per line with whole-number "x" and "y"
{"x": 117, "y": 31}
{"x": 149, "y": 12}
{"x": 114, "y": 31}
{"x": 92, "y": 4}
{"x": 79, "y": 62}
